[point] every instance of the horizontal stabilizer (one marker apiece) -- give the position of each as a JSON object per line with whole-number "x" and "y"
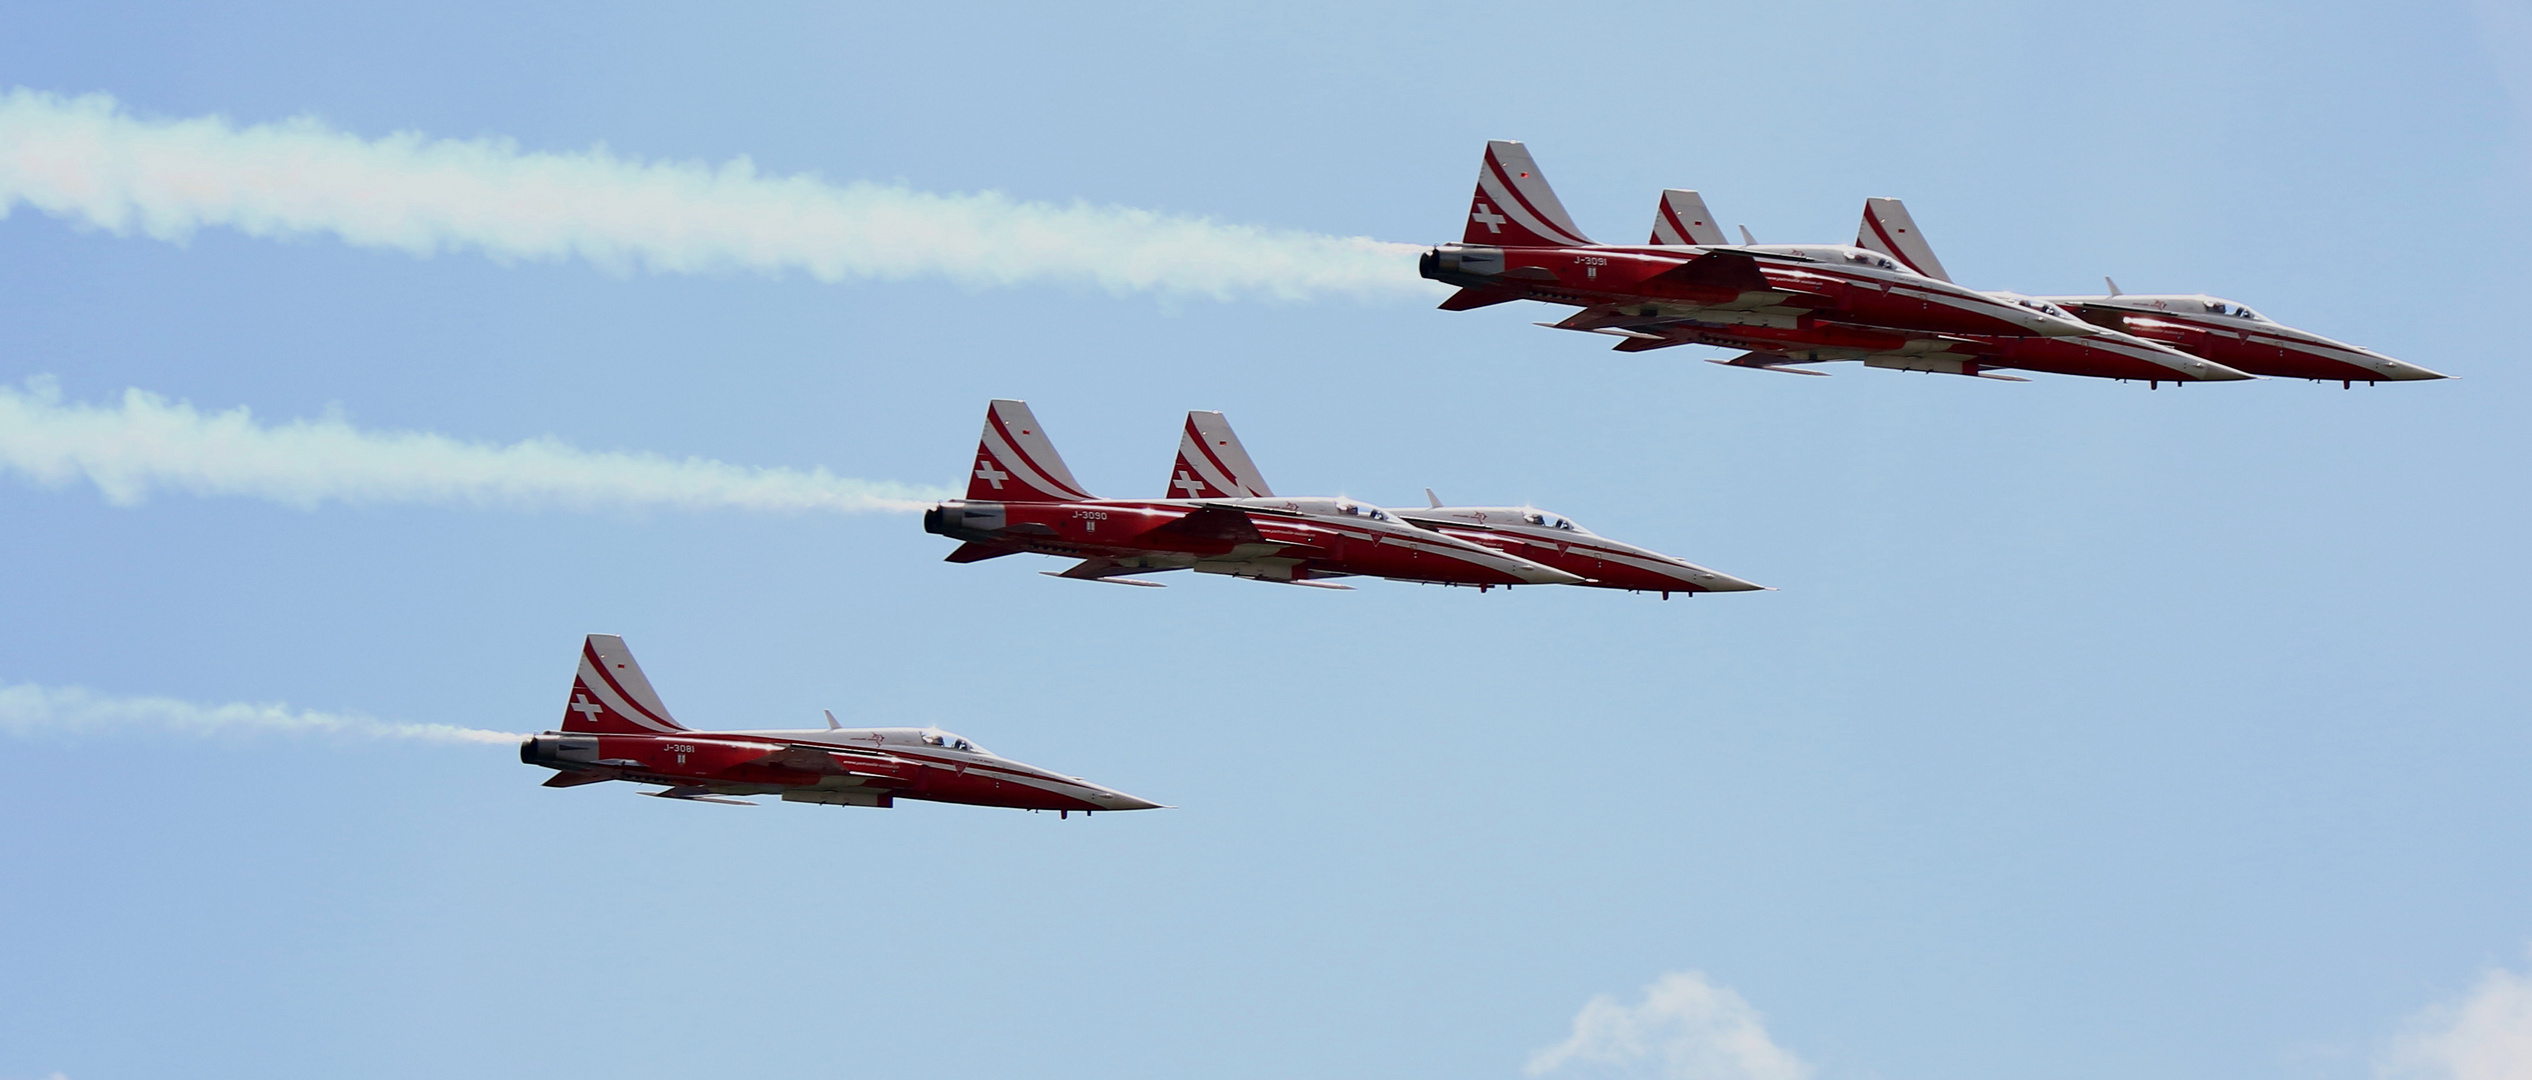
{"x": 975, "y": 552}
{"x": 575, "y": 779}
{"x": 1467, "y": 299}
{"x": 1638, "y": 344}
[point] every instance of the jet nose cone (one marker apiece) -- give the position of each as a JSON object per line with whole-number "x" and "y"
{"x": 2210, "y": 371}
{"x": 1118, "y": 800}
{"x": 1714, "y": 582}
{"x": 2397, "y": 371}
{"x": 1547, "y": 575}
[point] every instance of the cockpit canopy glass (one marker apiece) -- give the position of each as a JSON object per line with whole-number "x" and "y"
{"x": 1354, "y": 509}
{"x": 947, "y": 741}
{"x": 2044, "y": 307}
{"x": 2227, "y": 307}
{"x": 1547, "y": 520}
{"x": 1878, "y": 262}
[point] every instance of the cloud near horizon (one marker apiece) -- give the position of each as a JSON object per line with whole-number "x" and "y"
{"x": 28, "y": 709}
{"x": 147, "y": 443}
{"x": 2484, "y": 1035}
{"x": 1686, "y": 1027}
{"x": 88, "y": 160}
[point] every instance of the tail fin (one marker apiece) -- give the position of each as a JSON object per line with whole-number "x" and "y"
{"x": 610, "y": 697}
{"x": 1682, "y": 219}
{"x": 1212, "y": 464}
{"x": 1015, "y": 462}
{"x": 1514, "y": 207}
{"x": 1888, "y": 229}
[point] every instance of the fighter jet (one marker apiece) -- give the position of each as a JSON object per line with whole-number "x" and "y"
{"x": 616, "y": 728}
{"x": 1021, "y": 498}
{"x": 1213, "y": 465}
{"x": 2209, "y": 327}
{"x": 1786, "y": 304}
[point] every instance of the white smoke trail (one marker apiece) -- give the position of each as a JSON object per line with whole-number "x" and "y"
{"x": 87, "y": 159}
{"x": 28, "y": 710}
{"x": 151, "y": 443}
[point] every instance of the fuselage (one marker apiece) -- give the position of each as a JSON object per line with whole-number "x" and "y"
{"x": 1555, "y": 540}
{"x": 1275, "y": 539}
{"x": 1786, "y": 286}
{"x": 1818, "y": 302}
{"x": 844, "y": 766}
{"x": 2233, "y": 335}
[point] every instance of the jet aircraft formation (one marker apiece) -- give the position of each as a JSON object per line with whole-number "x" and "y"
{"x": 1884, "y": 300}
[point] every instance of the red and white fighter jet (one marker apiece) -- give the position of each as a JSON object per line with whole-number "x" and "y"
{"x": 1212, "y": 464}
{"x": 1021, "y": 498}
{"x": 2209, "y": 327}
{"x": 1785, "y": 303}
{"x": 616, "y": 728}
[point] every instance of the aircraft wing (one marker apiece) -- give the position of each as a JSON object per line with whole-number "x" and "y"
{"x": 1214, "y": 522}
{"x": 1734, "y": 270}
{"x": 819, "y": 759}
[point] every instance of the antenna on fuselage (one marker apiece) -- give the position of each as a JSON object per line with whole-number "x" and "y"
{"x": 2114, "y": 286}
{"x": 1746, "y": 238}
{"x": 831, "y": 725}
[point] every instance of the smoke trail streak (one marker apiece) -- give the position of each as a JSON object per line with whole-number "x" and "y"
{"x": 150, "y": 443}
{"x": 87, "y": 159}
{"x": 30, "y": 710}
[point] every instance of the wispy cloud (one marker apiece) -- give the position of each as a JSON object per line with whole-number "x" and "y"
{"x": 89, "y": 160}
{"x": 29, "y": 709}
{"x": 2485, "y": 1035}
{"x": 1686, "y": 1027}
{"x": 148, "y": 443}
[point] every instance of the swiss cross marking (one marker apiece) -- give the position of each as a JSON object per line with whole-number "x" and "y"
{"x": 987, "y": 473}
{"x": 585, "y": 707}
{"x": 1189, "y": 482}
{"x": 1485, "y": 215}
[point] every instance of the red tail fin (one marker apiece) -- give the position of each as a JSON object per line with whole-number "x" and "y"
{"x": 1212, "y": 464}
{"x": 1016, "y": 462}
{"x": 610, "y": 696}
{"x": 1514, "y": 206}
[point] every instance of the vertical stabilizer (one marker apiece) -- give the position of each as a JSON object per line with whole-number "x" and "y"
{"x": 1016, "y": 462}
{"x": 1888, "y": 229}
{"x": 1682, "y": 219}
{"x": 1212, "y": 464}
{"x": 1514, "y": 206}
{"x": 610, "y": 696}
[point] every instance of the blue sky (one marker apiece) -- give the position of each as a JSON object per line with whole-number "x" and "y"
{"x": 2094, "y": 731}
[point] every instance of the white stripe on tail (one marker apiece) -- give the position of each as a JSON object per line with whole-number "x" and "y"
{"x": 609, "y": 695}
{"x": 1212, "y": 464}
{"x": 1015, "y": 462}
{"x": 1514, "y": 206}
{"x": 1888, "y": 229}
{"x": 1682, "y": 218}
